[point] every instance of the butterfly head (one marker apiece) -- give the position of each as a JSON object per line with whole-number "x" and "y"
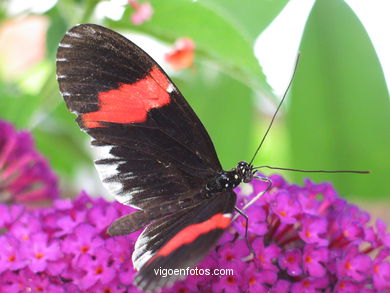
{"x": 244, "y": 171}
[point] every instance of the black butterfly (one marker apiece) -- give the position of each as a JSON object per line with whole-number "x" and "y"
{"x": 157, "y": 155}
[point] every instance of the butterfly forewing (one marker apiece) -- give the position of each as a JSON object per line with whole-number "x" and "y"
{"x": 152, "y": 143}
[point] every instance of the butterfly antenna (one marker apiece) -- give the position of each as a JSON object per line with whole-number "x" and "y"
{"x": 277, "y": 109}
{"x": 313, "y": 171}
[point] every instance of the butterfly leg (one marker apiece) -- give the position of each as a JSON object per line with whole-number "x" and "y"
{"x": 260, "y": 194}
{"x": 246, "y": 230}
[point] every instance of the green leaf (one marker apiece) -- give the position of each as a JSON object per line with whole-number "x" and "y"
{"x": 225, "y": 107}
{"x": 59, "y": 138}
{"x": 62, "y": 142}
{"x": 251, "y": 17}
{"x": 339, "y": 116}
{"x": 16, "y": 106}
{"x": 217, "y": 38}
{"x": 55, "y": 32}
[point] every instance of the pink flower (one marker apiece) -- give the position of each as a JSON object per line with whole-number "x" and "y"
{"x": 25, "y": 176}
{"x": 182, "y": 54}
{"x": 142, "y": 12}
{"x": 83, "y": 240}
{"x": 313, "y": 260}
{"x": 291, "y": 261}
{"x": 98, "y": 268}
{"x": 10, "y": 255}
{"x": 354, "y": 264}
{"x": 313, "y": 229}
{"x": 39, "y": 252}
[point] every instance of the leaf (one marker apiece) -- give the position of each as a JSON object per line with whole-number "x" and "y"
{"x": 55, "y": 32}
{"x": 217, "y": 39}
{"x": 250, "y": 16}
{"x": 65, "y": 153}
{"x": 16, "y": 106}
{"x": 225, "y": 107}
{"x": 339, "y": 115}
{"x": 59, "y": 138}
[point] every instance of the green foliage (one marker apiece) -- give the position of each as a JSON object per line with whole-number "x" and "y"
{"x": 225, "y": 106}
{"x": 338, "y": 110}
{"x": 217, "y": 38}
{"x": 339, "y": 115}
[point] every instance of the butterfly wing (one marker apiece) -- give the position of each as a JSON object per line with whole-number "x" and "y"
{"x": 182, "y": 241}
{"x": 155, "y": 152}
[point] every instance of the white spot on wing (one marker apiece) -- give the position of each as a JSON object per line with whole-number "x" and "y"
{"x": 170, "y": 88}
{"x": 61, "y": 59}
{"x": 227, "y": 215}
{"x": 64, "y": 45}
{"x": 90, "y": 29}
{"x": 60, "y": 76}
{"x": 66, "y": 94}
{"x": 140, "y": 256}
{"x": 109, "y": 171}
{"x": 103, "y": 152}
{"x": 74, "y": 35}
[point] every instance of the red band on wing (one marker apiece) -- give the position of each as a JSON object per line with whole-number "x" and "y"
{"x": 192, "y": 232}
{"x": 130, "y": 103}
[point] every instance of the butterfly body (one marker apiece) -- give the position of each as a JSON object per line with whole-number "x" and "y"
{"x": 228, "y": 180}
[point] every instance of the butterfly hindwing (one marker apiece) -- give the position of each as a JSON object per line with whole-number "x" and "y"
{"x": 182, "y": 240}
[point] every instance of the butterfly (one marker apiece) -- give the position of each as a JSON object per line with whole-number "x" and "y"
{"x": 155, "y": 153}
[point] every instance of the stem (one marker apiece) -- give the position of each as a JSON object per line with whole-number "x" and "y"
{"x": 88, "y": 10}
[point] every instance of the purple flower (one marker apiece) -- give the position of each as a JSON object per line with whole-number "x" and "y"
{"x": 313, "y": 260}
{"x": 381, "y": 270}
{"x": 98, "y": 268}
{"x": 233, "y": 251}
{"x": 10, "y": 257}
{"x": 383, "y": 236}
{"x": 310, "y": 285}
{"x": 281, "y": 286}
{"x": 230, "y": 283}
{"x": 83, "y": 240}
{"x": 291, "y": 262}
{"x": 266, "y": 256}
{"x": 313, "y": 229}
{"x": 39, "y": 252}
{"x": 286, "y": 206}
{"x": 25, "y": 176}
{"x": 354, "y": 264}
{"x": 256, "y": 226}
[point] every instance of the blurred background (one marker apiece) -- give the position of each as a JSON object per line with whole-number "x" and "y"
{"x": 232, "y": 60}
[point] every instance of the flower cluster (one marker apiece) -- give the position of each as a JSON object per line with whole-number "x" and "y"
{"x": 25, "y": 176}
{"x": 304, "y": 238}
{"x": 64, "y": 248}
